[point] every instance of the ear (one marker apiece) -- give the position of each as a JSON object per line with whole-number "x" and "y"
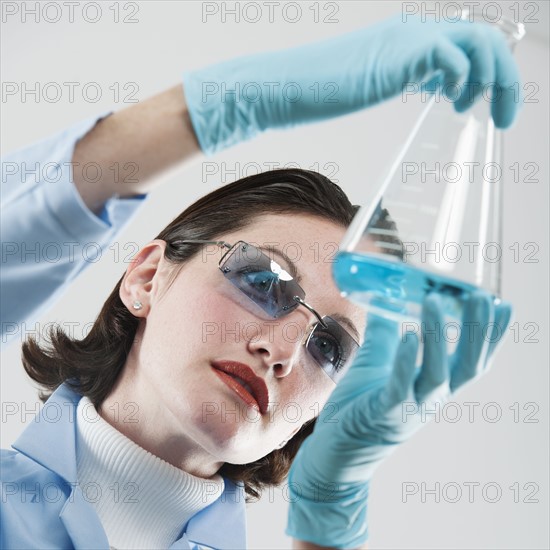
{"x": 142, "y": 277}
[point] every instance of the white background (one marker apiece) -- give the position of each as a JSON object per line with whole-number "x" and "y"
{"x": 172, "y": 36}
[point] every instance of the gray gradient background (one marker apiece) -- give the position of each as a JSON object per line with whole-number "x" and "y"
{"x": 171, "y": 37}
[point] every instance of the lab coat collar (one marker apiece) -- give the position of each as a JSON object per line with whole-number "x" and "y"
{"x": 222, "y": 524}
{"x": 50, "y": 440}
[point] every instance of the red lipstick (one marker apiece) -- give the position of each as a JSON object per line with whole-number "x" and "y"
{"x": 241, "y": 378}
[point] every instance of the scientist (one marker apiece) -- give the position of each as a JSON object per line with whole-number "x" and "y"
{"x": 172, "y": 474}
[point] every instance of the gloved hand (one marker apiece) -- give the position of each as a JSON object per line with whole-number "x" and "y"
{"x": 234, "y": 100}
{"x": 378, "y": 405}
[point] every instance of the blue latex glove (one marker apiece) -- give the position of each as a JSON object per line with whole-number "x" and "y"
{"x": 379, "y": 405}
{"x": 344, "y": 74}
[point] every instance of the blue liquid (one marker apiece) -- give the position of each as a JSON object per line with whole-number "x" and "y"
{"x": 395, "y": 289}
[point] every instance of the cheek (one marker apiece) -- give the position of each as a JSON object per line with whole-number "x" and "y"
{"x": 222, "y": 320}
{"x": 193, "y": 306}
{"x": 318, "y": 399}
{"x": 303, "y": 398}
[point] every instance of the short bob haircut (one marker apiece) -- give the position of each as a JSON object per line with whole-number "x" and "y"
{"x": 92, "y": 365}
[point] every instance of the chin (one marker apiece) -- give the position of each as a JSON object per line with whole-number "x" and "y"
{"x": 233, "y": 450}
{"x": 238, "y": 458}
{"x": 219, "y": 438}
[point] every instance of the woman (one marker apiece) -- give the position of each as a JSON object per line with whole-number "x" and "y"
{"x": 176, "y": 441}
{"x": 155, "y": 366}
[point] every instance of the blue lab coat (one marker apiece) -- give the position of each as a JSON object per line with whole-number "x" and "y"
{"x": 43, "y": 506}
{"x": 49, "y": 236}
{"x": 45, "y": 228}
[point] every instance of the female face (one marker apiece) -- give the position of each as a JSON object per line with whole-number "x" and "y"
{"x": 197, "y": 319}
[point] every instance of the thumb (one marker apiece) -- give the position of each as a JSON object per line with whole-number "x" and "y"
{"x": 445, "y": 64}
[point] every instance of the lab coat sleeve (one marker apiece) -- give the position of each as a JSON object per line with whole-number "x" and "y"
{"x": 49, "y": 235}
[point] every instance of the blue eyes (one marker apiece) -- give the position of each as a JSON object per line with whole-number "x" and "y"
{"x": 266, "y": 286}
{"x": 261, "y": 281}
{"x": 328, "y": 347}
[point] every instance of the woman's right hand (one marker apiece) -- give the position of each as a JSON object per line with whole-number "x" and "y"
{"x": 381, "y": 401}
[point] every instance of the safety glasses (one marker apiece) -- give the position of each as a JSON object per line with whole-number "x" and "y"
{"x": 273, "y": 289}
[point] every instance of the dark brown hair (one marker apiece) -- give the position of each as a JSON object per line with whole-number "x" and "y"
{"x": 92, "y": 365}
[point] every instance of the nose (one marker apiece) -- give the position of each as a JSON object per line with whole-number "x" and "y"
{"x": 281, "y": 342}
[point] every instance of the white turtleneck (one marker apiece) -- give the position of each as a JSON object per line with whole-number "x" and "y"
{"x": 141, "y": 500}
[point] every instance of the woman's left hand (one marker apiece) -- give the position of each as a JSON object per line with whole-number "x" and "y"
{"x": 234, "y": 100}
{"x": 381, "y": 401}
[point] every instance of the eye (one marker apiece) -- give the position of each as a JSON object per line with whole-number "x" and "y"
{"x": 259, "y": 280}
{"x": 328, "y": 348}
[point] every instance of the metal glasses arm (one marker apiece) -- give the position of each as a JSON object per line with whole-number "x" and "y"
{"x": 221, "y": 244}
{"x": 300, "y": 301}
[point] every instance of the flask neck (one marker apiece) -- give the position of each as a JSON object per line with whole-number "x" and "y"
{"x": 513, "y": 31}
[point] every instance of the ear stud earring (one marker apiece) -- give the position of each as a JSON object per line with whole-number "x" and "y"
{"x": 137, "y": 305}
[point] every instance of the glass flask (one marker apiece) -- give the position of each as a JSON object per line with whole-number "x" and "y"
{"x": 435, "y": 224}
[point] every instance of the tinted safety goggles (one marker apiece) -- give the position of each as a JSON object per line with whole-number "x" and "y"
{"x": 274, "y": 290}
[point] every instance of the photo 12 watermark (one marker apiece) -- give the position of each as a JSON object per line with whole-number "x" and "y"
{"x": 292, "y": 412}
{"x": 414, "y": 173}
{"x": 226, "y": 172}
{"x": 489, "y": 92}
{"x": 69, "y": 92}
{"x": 485, "y": 11}
{"x": 52, "y": 172}
{"x": 270, "y": 12}
{"x": 451, "y": 492}
{"x": 70, "y": 12}
{"x": 53, "y": 412}
{"x": 454, "y": 412}
{"x": 453, "y": 332}
{"x": 68, "y": 252}
{"x": 269, "y": 92}
{"x": 470, "y": 252}
{"x": 291, "y": 252}
{"x": 28, "y": 492}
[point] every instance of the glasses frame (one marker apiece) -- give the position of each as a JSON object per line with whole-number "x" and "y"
{"x": 299, "y": 301}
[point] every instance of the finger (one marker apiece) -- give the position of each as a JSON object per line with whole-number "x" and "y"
{"x": 400, "y": 385}
{"x": 442, "y": 66}
{"x": 434, "y": 370}
{"x": 379, "y": 347}
{"x": 377, "y": 407}
{"x": 451, "y": 61}
{"x": 468, "y": 360}
{"x": 476, "y": 43}
{"x": 372, "y": 364}
{"x": 506, "y": 98}
{"x": 503, "y": 315}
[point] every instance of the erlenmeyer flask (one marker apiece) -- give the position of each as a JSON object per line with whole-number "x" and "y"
{"x": 435, "y": 224}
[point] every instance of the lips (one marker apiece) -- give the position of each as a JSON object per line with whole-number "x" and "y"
{"x": 241, "y": 378}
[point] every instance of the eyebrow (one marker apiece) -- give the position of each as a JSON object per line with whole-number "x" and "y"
{"x": 297, "y": 277}
{"x": 347, "y": 321}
